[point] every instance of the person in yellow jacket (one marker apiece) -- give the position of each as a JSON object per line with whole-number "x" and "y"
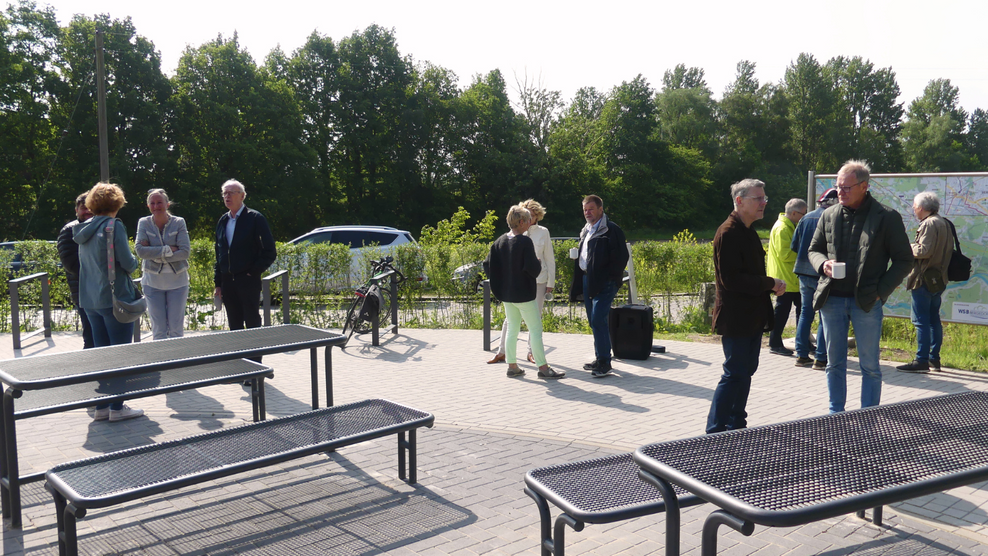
{"x": 781, "y": 260}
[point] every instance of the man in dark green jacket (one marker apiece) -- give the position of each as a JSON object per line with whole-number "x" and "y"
{"x": 864, "y": 237}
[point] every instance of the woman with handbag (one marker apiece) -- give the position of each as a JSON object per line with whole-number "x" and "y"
{"x": 927, "y": 280}
{"x": 98, "y": 287}
{"x": 163, "y": 243}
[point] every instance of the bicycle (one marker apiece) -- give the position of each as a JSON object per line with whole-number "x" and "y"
{"x": 371, "y": 301}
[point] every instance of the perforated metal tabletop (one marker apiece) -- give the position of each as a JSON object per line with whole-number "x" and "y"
{"x": 802, "y": 471}
{"x": 59, "y": 369}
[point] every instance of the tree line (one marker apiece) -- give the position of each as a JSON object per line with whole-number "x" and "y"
{"x": 352, "y": 131}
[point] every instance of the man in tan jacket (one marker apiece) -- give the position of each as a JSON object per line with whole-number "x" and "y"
{"x": 932, "y": 250}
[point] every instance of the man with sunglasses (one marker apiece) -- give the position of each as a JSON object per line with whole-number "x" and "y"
{"x": 871, "y": 241}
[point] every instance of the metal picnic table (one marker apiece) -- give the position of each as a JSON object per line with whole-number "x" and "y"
{"x": 808, "y": 470}
{"x": 60, "y": 369}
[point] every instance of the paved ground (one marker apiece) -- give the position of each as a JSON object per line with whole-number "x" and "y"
{"x": 489, "y": 431}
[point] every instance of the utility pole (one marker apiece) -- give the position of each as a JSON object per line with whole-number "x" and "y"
{"x": 104, "y": 155}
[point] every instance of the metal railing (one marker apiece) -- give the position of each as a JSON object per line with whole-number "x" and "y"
{"x": 266, "y": 289}
{"x": 15, "y": 317}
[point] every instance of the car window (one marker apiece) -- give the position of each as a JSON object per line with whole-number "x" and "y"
{"x": 408, "y": 237}
{"x": 321, "y": 237}
{"x": 362, "y": 238}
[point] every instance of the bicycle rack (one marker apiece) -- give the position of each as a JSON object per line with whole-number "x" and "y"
{"x": 375, "y": 322}
{"x": 15, "y": 320}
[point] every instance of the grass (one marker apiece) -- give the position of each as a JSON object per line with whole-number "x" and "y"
{"x": 965, "y": 346}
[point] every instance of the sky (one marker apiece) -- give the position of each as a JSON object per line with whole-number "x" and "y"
{"x": 567, "y": 45}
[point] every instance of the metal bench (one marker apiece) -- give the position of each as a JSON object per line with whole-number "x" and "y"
{"x": 33, "y": 403}
{"x": 602, "y": 490}
{"x": 119, "y": 477}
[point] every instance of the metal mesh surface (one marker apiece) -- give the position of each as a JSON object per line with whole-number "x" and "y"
{"x": 597, "y": 485}
{"x": 109, "y": 474}
{"x": 237, "y": 369}
{"x": 808, "y": 462}
{"x": 183, "y": 351}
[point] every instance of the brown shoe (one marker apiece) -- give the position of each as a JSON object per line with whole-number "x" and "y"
{"x": 531, "y": 358}
{"x": 499, "y": 358}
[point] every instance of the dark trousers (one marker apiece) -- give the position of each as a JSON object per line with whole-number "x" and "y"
{"x": 87, "y": 330}
{"x": 242, "y": 299}
{"x": 727, "y": 410}
{"x": 783, "y": 305}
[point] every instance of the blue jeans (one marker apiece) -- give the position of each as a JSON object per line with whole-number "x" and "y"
{"x": 166, "y": 309}
{"x": 598, "y": 309}
{"x": 835, "y": 315}
{"x": 108, "y": 331}
{"x": 731, "y": 396}
{"x": 926, "y": 319}
{"x": 804, "y": 325}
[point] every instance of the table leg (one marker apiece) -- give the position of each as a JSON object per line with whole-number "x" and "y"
{"x": 329, "y": 376}
{"x": 708, "y": 546}
{"x": 10, "y": 475}
{"x": 672, "y": 509}
{"x": 314, "y": 369}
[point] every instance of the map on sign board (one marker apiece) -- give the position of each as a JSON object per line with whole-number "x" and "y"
{"x": 963, "y": 200}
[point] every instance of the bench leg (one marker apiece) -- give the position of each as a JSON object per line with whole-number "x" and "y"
{"x": 66, "y": 516}
{"x": 257, "y": 399}
{"x": 412, "y": 467}
{"x": 545, "y": 522}
{"x": 672, "y": 509}
{"x": 708, "y": 545}
{"x": 876, "y": 515}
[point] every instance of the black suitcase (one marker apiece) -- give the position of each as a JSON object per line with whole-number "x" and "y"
{"x": 630, "y": 328}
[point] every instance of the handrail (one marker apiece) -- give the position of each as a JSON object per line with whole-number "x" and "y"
{"x": 15, "y": 319}
{"x": 266, "y": 288}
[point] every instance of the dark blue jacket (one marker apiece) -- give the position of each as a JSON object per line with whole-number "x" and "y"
{"x": 607, "y": 257}
{"x": 801, "y": 239}
{"x": 252, "y": 250}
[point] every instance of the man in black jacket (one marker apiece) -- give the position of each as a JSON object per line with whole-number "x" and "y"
{"x": 68, "y": 254}
{"x": 244, "y": 250}
{"x": 599, "y": 269}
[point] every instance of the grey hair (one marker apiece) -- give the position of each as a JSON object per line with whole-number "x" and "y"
{"x": 928, "y": 201}
{"x": 795, "y": 204}
{"x": 234, "y": 184}
{"x": 860, "y": 169}
{"x": 517, "y": 215}
{"x": 741, "y": 189}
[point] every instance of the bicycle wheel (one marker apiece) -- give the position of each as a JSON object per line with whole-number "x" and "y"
{"x": 352, "y": 320}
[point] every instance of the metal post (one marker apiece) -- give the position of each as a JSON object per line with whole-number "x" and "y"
{"x": 285, "y": 313}
{"x": 632, "y": 285}
{"x": 104, "y": 156}
{"x": 394, "y": 304}
{"x": 266, "y": 292}
{"x": 811, "y": 189}
{"x": 15, "y": 318}
{"x": 137, "y": 323}
{"x": 486, "y": 284}
{"x": 46, "y": 305}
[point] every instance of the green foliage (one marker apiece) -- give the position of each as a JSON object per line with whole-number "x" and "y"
{"x": 454, "y": 232}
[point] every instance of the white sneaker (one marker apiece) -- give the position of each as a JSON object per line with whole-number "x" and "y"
{"x": 101, "y": 414}
{"x": 124, "y": 413}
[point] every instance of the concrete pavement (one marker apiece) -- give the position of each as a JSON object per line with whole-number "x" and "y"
{"x": 489, "y": 431}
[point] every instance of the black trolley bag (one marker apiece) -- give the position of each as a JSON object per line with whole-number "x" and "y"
{"x": 630, "y": 328}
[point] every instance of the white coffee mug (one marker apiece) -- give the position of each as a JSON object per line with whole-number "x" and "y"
{"x": 548, "y": 296}
{"x": 574, "y": 253}
{"x": 217, "y": 303}
{"x": 838, "y": 270}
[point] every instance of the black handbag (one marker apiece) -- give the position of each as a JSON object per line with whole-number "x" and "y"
{"x": 959, "y": 267}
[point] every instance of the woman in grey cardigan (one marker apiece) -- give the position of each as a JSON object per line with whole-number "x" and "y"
{"x": 163, "y": 243}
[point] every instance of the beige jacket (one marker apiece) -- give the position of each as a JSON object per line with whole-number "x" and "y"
{"x": 932, "y": 249}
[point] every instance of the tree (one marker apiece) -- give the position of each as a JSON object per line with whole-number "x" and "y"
{"x": 933, "y": 135}
{"x": 540, "y": 107}
{"x": 685, "y": 109}
{"x": 867, "y": 116}
{"x": 811, "y": 99}
{"x": 235, "y": 120}
{"x": 29, "y": 62}
{"x": 977, "y": 137}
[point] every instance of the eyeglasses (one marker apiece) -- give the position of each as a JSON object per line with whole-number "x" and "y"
{"x": 846, "y": 188}
{"x": 762, "y": 200}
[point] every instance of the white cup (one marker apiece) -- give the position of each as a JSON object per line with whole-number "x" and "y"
{"x": 548, "y": 296}
{"x": 839, "y": 270}
{"x": 217, "y": 303}
{"x": 574, "y": 253}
